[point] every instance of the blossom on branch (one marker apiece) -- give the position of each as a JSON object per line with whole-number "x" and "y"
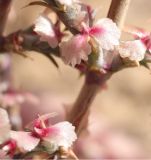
{"x": 54, "y": 136}
{"x": 140, "y": 34}
{"x": 75, "y": 49}
{"x": 46, "y": 30}
{"x": 134, "y": 50}
{"x": 105, "y": 58}
{"x": 60, "y": 135}
{"x": 51, "y": 137}
{"x": 11, "y": 97}
{"x": 24, "y": 140}
{"x": 104, "y": 34}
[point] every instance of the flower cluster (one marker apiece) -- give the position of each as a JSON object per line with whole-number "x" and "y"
{"x": 51, "y": 137}
{"x": 102, "y": 38}
{"x": 93, "y": 48}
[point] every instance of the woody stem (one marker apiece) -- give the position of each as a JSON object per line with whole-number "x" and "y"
{"x": 118, "y": 11}
{"x": 93, "y": 82}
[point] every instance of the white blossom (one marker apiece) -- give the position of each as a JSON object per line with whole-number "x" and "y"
{"x": 75, "y": 49}
{"x": 45, "y": 29}
{"x": 106, "y": 33}
{"x": 134, "y": 50}
{"x": 61, "y": 134}
{"x": 24, "y": 140}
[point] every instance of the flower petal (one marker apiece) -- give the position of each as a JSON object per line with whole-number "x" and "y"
{"x": 134, "y": 50}
{"x": 61, "y": 134}
{"x": 45, "y": 29}
{"x": 25, "y": 140}
{"x": 106, "y": 33}
{"x": 65, "y": 2}
{"x": 75, "y": 49}
{"x": 3, "y": 155}
{"x": 106, "y": 58}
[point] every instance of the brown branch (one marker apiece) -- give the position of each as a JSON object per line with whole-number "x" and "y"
{"x": 84, "y": 101}
{"x": 94, "y": 80}
{"x": 26, "y": 40}
{"x": 118, "y": 11}
{"x": 79, "y": 113}
{"x": 4, "y": 11}
{"x": 93, "y": 83}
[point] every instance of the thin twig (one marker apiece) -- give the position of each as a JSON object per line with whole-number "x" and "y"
{"x": 118, "y": 11}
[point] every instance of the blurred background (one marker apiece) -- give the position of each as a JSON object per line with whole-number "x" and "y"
{"x": 125, "y": 104}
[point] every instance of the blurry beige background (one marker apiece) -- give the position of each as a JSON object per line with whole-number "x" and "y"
{"x": 127, "y": 101}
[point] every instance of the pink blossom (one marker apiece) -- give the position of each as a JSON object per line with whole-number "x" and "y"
{"x": 60, "y": 134}
{"x": 75, "y": 49}
{"x": 54, "y": 136}
{"x": 9, "y": 147}
{"x": 134, "y": 50}
{"x": 141, "y": 34}
{"x": 11, "y": 98}
{"x": 146, "y": 40}
{"x": 24, "y": 140}
{"x": 106, "y": 33}
{"x": 45, "y": 29}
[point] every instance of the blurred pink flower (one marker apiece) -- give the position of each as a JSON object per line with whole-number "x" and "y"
{"x": 11, "y": 97}
{"x": 134, "y": 50}
{"x": 47, "y": 100}
{"x": 103, "y": 141}
{"x": 24, "y": 140}
{"x": 46, "y": 30}
{"x": 75, "y": 49}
